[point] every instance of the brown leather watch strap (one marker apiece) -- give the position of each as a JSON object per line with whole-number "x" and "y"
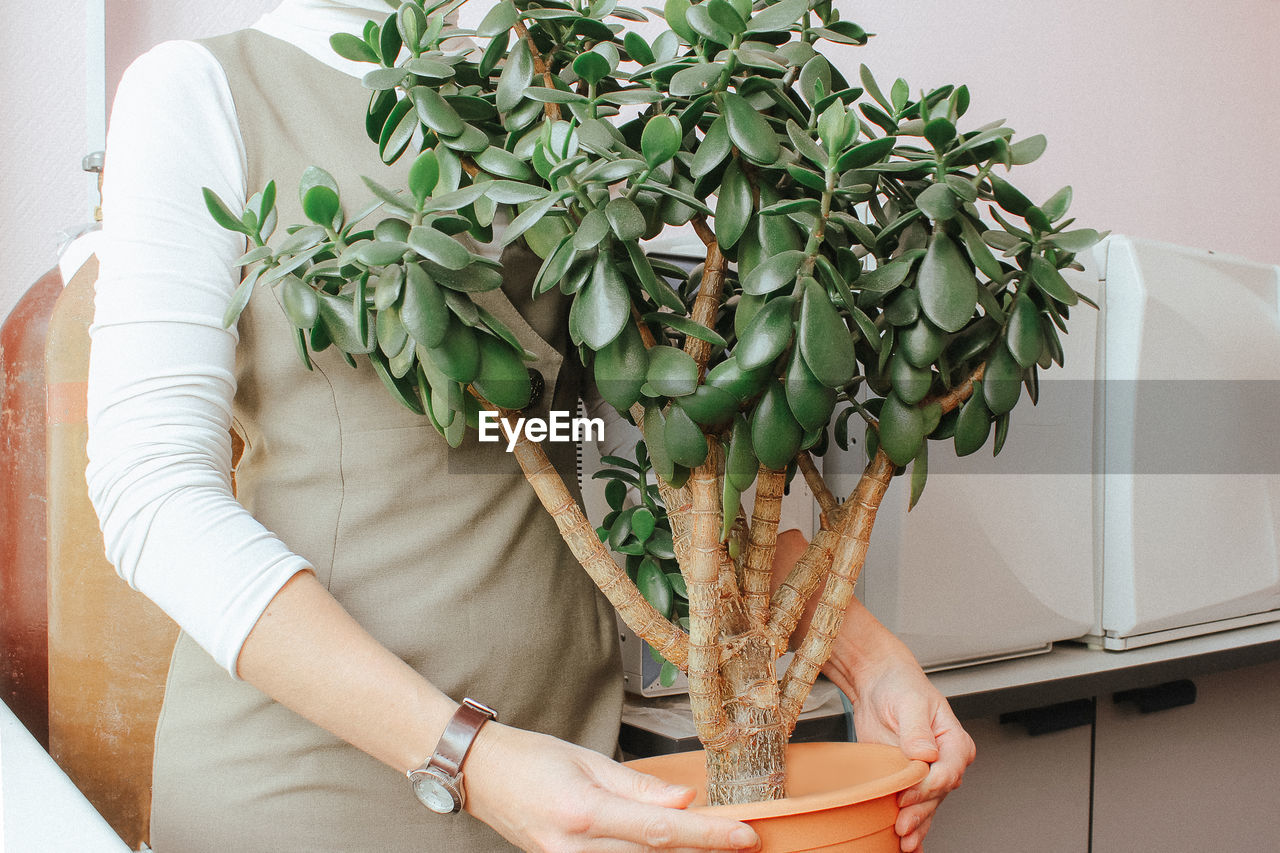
{"x": 458, "y": 736}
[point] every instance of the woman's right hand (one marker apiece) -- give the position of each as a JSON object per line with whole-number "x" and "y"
{"x": 548, "y": 796}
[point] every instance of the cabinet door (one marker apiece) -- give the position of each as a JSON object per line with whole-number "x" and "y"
{"x": 1022, "y": 793}
{"x": 1198, "y": 777}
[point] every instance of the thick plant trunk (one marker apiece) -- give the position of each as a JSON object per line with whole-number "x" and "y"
{"x": 751, "y": 766}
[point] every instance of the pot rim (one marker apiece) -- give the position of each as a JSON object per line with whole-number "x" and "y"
{"x": 912, "y": 772}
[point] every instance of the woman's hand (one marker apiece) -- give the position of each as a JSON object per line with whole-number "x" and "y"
{"x": 895, "y": 703}
{"x": 548, "y": 796}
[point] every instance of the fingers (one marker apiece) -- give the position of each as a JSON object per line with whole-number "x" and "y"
{"x": 912, "y": 817}
{"x": 916, "y": 735}
{"x": 654, "y": 827}
{"x": 640, "y": 787}
{"x": 613, "y": 846}
{"x": 912, "y": 842}
{"x": 956, "y": 752}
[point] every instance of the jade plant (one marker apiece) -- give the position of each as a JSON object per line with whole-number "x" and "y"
{"x": 865, "y": 257}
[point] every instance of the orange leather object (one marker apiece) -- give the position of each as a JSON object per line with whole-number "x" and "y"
{"x": 24, "y": 643}
{"x": 109, "y": 647}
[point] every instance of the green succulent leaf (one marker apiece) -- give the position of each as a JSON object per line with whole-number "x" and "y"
{"x": 602, "y": 308}
{"x": 779, "y": 16}
{"x": 713, "y": 149}
{"x": 621, "y": 367}
{"x": 776, "y": 272}
{"x": 501, "y": 18}
{"x": 660, "y": 140}
{"x": 733, "y": 207}
{"x": 1025, "y": 341}
{"x": 684, "y": 439}
{"x": 919, "y": 474}
{"x": 352, "y": 47}
{"x": 775, "y": 433}
{"x": 625, "y": 218}
{"x": 823, "y": 338}
{"x": 439, "y": 248}
{"x": 1002, "y": 381}
{"x": 750, "y": 131}
{"x": 1051, "y": 282}
{"x": 1080, "y": 240}
{"x": 321, "y": 205}
{"x": 974, "y": 423}
{"x": 423, "y": 310}
{"x": 767, "y": 335}
{"x": 655, "y": 588}
{"x": 424, "y": 174}
{"x": 901, "y": 430}
{"x": 515, "y": 78}
{"x": 671, "y": 373}
{"x": 687, "y": 326}
{"x": 435, "y": 112}
{"x": 938, "y": 202}
{"x": 696, "y": 79}
{"x": 947, "y": 286}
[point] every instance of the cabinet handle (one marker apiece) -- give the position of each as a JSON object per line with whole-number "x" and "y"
{"x": 1052, "y": 718}
{"x": 1161, "y": 697}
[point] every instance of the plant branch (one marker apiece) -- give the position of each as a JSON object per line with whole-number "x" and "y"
{"x": 679, "y": 504}
{"x": 957, "y": 395}
{"x": 646, "y": 335}
{"x": 703, "y": 230}
{"x": 706, "y": 686}
{"x": 850, "y": 554}
{"x": 821, "y": 491}
{"x": 650, "y": 625}
{"x": 762, "y": 541}
{"x": 707, "y": 304}
{"x": 789, "y": 600}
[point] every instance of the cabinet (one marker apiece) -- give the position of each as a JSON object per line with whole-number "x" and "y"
{"x": 1181, "y": 778}
{"x": 1023, "y": 793}
{"x": 1204, "y": 776}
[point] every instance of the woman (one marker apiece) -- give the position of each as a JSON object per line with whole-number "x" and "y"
{"x": 366, "y": 579}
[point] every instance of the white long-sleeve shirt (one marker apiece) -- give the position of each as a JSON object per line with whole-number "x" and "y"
{"x": 161, "y": 376}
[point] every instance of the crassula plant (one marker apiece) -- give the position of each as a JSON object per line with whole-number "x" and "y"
{"x": 864, "y": 257}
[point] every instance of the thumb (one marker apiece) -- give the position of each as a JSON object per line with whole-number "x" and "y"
{"x": 644, "y": 788}
{"x": 916, "y": 738}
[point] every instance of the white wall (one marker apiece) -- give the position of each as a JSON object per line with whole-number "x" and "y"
{"x": 42, "y": 73}
{"x": 1159, "y": 115}
{"x": 42, "y": 69}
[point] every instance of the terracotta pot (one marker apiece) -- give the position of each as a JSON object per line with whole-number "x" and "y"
{"x": 843, "y": 796}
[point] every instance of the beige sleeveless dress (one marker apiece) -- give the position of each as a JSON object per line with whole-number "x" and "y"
{"x": 445, "y": 556}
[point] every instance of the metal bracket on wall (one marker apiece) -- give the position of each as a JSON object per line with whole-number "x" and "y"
{"x": 95, "y": 81}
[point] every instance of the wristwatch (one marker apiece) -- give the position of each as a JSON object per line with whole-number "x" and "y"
{"x": 438, "y": 782}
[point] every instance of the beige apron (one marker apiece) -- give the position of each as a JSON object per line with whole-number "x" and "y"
{"x": 445, "y": 556}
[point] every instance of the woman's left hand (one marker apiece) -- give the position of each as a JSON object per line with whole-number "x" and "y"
{"x": 895, "y": 703}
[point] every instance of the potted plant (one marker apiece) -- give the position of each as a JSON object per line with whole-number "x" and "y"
{"x": 850, "y": 271}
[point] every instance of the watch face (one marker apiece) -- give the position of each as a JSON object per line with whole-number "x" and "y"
{"x": 434, "y": 793}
